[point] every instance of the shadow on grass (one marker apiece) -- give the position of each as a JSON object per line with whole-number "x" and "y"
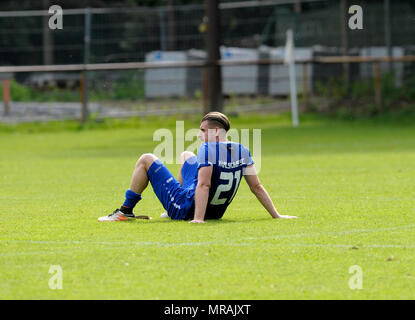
{"x": 212, "y": 222}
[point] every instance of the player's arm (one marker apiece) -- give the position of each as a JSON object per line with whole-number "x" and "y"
{"x": 202, "y": 193}
{"x": 261, "y": 193}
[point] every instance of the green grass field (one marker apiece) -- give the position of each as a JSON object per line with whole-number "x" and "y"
{"x": 351, "y": 185}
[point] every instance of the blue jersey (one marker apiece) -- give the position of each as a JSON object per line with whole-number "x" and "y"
{"x": 228, "y": 160}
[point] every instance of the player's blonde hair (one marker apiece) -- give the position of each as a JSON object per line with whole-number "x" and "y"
{"x": 215, "y": 118}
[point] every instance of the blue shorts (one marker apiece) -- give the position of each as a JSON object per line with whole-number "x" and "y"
{"x": 176, "y": 199}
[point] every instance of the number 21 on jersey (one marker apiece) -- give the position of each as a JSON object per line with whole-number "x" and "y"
{"x": 225, "y": 187}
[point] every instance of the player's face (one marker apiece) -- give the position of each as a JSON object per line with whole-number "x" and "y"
{"x": 207, "y": 134}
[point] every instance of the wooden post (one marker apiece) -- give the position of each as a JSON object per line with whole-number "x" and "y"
{"x": 205, "y": 91}
{"x": 214, "y": 76}
{"x": 297, "y": 6}
{"x": 378, "y": 85}
{"x": 305, "y": 85}
{"x": 6, "y": 96}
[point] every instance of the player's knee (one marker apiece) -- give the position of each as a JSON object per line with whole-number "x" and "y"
{"x": 186, "y": 155}
{"x": 147, "y": 159}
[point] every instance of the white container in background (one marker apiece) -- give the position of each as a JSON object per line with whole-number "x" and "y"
{"x": 239, "y": 79}
{"x": 165, "y": 82}
{"x": 279, "y": 82}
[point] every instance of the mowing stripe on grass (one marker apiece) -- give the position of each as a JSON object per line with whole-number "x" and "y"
{"x": 326, "y": 233}
{"x": 230, "y": 243}
{"x": 286, "y": 245}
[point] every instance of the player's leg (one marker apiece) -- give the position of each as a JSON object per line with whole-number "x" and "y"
{"x": 139, "y": 179}
{"x": 138, "y": 183}
{"x": 188, "y": 172}
{"x": 183, "y": 158}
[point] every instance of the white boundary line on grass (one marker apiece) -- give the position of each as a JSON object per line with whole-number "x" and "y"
{"x": 289, "y": 245}
{"x": 335, "y": 233}
{"x": 234, "y": 243}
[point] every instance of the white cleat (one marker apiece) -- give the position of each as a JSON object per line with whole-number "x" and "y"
{"x": 164, "y": 215}
{"x": 117, "y": 215}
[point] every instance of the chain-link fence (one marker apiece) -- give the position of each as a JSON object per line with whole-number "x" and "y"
{"x": 121, "y": 35}
{"x": 251, "y": 30}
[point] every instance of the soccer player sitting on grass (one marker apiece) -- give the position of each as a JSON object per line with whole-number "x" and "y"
{"x": 206, "y": 183}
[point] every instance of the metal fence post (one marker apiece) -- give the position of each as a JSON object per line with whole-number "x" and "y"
{"x": 345, "y": 44}
{"x": 84, "y": 106}
{"x": 171, "y": 26}
{"x": 84, "y": 75}
{"x": 162, "y": 23}
{"x": 388, "y": 37}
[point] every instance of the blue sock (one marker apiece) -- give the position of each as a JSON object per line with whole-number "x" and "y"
{"x": 131, "y": 199}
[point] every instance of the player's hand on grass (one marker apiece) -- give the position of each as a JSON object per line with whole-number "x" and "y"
{"x": 197, "y": 221}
